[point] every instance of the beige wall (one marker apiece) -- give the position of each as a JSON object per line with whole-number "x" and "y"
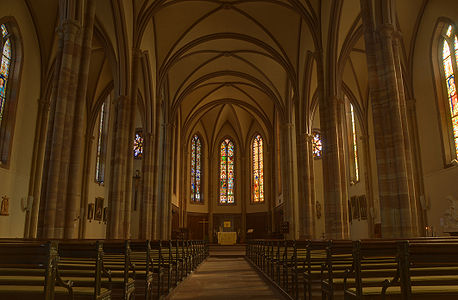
{"x": 440, "y": 182}
{"x": 14, "y": 181}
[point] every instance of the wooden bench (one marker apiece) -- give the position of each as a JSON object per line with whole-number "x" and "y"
{"x": 82, "y": 263}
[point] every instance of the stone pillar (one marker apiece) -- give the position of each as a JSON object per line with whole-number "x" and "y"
{"x": 306, "y": 216}
{"x": 211, "y": 199}
{"x": 37, "y": 169}
{"x": 116, "y": 205}
{"x": 332, "y": 182}
{"x": 389, "y": 136}
{"x": 184, "y": 180}
{"x": 246, "y": 193}
{"x": 75, "y": 170}
{"x": 89, "y": 142}
{"x": 146, "y": 205}
{"x": 289, "y": 174}
{"x": 54, "y": 207}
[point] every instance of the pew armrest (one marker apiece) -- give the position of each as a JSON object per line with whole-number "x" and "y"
{"x": 347, "y": 273}
{"x": 387, "y": 282}
{"x": 66, "y": 284}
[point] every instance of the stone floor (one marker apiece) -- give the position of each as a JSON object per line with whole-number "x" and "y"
{"x": 225, "y": 277}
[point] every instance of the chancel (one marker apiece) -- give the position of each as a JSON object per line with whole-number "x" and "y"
{"x": 277, "y": 149}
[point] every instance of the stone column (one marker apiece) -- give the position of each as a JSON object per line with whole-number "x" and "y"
{"x": 289, "y": 174}
{"x": 115, "y": 220}
{"x": 211, "y": 199}
{"x": 388, "y": 129}
{"x": 146, "y": 206}
{"x": 306, "y": 219}
{"x": 54, "y": 207}
{"x": 332, "y": 182}
{"x": 185, "y": 191}
{"x": 246, "y": 193}
{"x": 75, "y": 171}
{"x": 37, "y": 169}
{"x": 89, "y": 142}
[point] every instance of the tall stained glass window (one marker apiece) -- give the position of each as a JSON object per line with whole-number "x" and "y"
{"x": 102, "y": 142}
{"x": 138, "y": 144}
{"x": 450, "y": 60}
{"x": 317, "y": 146}
{"x": 4, "y": 69}
{"x": 196, "y": 169}
{"x": 257, "y": 162}
{"x": 354, "y": 145}
{"x": 226, "y": 173}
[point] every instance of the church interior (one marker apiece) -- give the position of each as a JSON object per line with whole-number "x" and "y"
{"x": 229, "y": 121}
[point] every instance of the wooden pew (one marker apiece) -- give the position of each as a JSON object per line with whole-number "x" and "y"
{"x": 29, "y": 271}
{"x": 338, "y": 259}
{"x": 82, "y": 263}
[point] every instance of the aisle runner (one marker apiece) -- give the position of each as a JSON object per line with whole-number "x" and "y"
{"x": 225, "y": 278}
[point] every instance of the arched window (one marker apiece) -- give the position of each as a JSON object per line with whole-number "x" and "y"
{"x": 257, "y": 162}
{"x": 226, "y": 173}
{"x": 8, "y": 86}
{"x": 196, "y": 170}
{"x": 353, "y": 147}
{"x": 317, "y": 147}
{"x": 449, "y": 57}
{"x": 102, "y": 142}
{"x": 138, "y": 144}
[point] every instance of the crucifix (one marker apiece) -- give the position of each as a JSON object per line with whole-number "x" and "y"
{"x": 203, "y": 222}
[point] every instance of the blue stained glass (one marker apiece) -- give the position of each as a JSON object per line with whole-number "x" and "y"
{"x": 138, "y": 145}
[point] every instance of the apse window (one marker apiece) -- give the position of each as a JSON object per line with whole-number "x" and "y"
{"x": 226, "y": 174}
{"x": 257, "y": 162}
{"x": 9, "y": 71}
{"x": 449, "y": 108}
{"x": 317, "y": 146}
{"x": 196, "y": 170}
{"x": 138, "y": 144}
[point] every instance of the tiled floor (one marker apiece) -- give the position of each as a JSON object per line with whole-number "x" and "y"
{"x": 225, "y": 278}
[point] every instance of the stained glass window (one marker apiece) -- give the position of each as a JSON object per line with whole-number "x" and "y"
{"x": 257, "y": 160}
{"x": 4, "y": 69}
{"x": 196, "y": 173}
{"x": 102, "y": 143}
{"x": 354, "y": 144}
{"x": 449, "y": 49}
{"x": 138, "y": 144}
{"x": 226, "y": 175}
{"x": 317, "y": 146}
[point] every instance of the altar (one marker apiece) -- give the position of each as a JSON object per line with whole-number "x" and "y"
{"x": 227, "y": 238}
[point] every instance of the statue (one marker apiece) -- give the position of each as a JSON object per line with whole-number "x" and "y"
{"x": 5, "y": 206}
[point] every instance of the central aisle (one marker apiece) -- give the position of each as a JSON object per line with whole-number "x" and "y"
{"x": 225, "y": 278}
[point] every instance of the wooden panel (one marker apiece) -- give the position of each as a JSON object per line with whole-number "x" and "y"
{"x": 259, "y": 223}
{"x": 197, "y": 226}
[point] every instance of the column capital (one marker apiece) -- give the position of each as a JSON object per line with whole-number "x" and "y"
{"x": 137, "y": 52}
{"x": 386, "y": 30}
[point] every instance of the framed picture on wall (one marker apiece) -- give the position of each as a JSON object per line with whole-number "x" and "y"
{"x": 90, "y": 211}
{"x": 98, "y": 209}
